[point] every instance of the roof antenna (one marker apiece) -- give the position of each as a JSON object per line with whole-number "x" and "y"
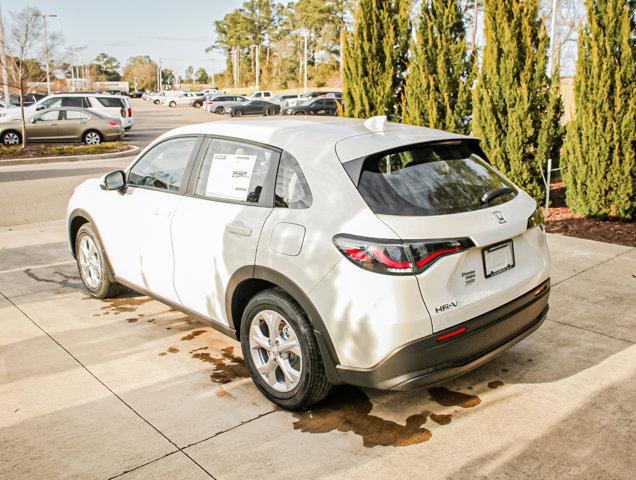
{"x": 376, "y": 124}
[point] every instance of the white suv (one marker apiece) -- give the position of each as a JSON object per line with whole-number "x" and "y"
{"x": 111, "y": 106}
{"x": 370, "y": 253}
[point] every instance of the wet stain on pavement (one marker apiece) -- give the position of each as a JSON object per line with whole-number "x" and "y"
{"x": 441, "y": 418}
{"x": 348, "y": 409}
{"x": 68, "y": 281}
{"x": 495, "y": 384}
{"x": 193, "y": 334}
{"x": 132, "y": 320}
{"x": 173, "y": 349}
{"x": 120, "y": 305}
{"x": 198, "y": 349}
{"x": 450, "y": 398}
{"x": 227, "y": 367}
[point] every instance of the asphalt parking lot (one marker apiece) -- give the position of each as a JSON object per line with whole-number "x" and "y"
{"x": 129, "y": 388}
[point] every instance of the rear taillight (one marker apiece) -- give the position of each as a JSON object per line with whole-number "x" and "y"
{"x": 536, "y": 219}
{"x": 129, "y": 112}
{"x": 114, "y": 123}
{"x": 394, "y": 257}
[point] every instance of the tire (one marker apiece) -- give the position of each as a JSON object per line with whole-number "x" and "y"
{"x": 300, "y": 113}
{"x": 237, "y": 113}
{"x": 197, "y": 105}
{"x": 11, "y": 137}
{"x": 270, "y": 111}
{"x": 88, "y": 252}
{"x": 219, "y": 110}
{"x": 156, "y": 102}
{"x": 278, "y": 307}
{"x": 172, "y": 104}
{"x": 92, "y": 137}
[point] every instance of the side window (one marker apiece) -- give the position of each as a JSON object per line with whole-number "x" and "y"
{"x": 234, "y": 171}
{"x": 48, "y": 116}
{"x": 52, "y": 102}
{"x": 72, "y": 102}
{"x": 292, "y": 190}
{"x": 75, "y": 115}
{"x": 164, "y": 165}
{"x": 111, "y": 102}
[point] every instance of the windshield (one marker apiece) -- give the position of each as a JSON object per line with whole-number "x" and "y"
{"x": 430, "y": 179}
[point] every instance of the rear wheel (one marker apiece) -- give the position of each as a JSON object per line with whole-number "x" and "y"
{"x": 92, "y": 137}
{"x": 11, "y": 137}
{"x": 300, "y": 113}
{"x": 156, "y": 102}
{"x": 281, "y": 351}
{"x": 237, "y": 113}
{"x": 94, "y": 270}
{"x": 196, "y": 105}
{"x": 270, "y": 111}
{"x": 218, "y": 110}
{"x": 172, "y": 104}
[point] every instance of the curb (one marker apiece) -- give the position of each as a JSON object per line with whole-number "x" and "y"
{"x": 133, "y": 150}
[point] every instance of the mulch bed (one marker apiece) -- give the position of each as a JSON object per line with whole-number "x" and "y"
{"x": 44, "y": 150}
{"x": 562, "y": 220}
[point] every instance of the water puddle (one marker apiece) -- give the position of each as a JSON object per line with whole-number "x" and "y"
{"x": 495, "y": 384}
{"x": 450, "y": 398}
{"x": 227, "y": 367}
{"x": 120, "y": 305}
{"x": 348, "y": 409}
{"x": 193, "y": 333}
{"x": 68, "y": 281}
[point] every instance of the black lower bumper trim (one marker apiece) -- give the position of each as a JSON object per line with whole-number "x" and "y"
{"x": 428, "y": 360}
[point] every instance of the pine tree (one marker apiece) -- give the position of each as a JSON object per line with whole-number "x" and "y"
{"x": 375, "y": 56}
{"x": 600, "y": 151}
{"x": 438, "y": 85}
{"x": 516, "y": 108}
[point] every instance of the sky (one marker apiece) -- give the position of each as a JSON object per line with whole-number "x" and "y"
{"x": 175, "y": 32}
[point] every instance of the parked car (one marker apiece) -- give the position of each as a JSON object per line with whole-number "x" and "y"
{"x": 159, "y": 97}
{"x": 280, "y": 99}
{"x": 28, "y": 99}
{"x": 292, "y": 102}
{"x": 137, "y": 94}
{"x": 262, "y": 94}
{"x": 317, "y": 106}
{"x": 255, "y": 107}
{"x": 113, "y": 106}
{"x": 346, "y": 251}
{"x": 63, "y": 125}
{"x": 181, "y": 99}
{"x": 218, "y": 103}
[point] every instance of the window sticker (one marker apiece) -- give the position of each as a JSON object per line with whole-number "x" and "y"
{"x": 230, "y": 176}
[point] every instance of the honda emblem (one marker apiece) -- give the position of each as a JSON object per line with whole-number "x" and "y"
{"x": 500, "y": 216}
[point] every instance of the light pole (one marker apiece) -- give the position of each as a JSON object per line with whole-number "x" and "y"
{"x": 46, "y": 47}
{"x": 5, "y": 80}
{"x": 551, "y": 60}
{"x": 305, "y": 63}
{"x": 212, "y": 82}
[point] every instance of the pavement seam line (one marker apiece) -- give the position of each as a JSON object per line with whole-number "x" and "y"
{"x": 590, "y": 268}
{"x": 143, "y": 465}
{"x": 33, "y": 267}
{"x": 245, "y": 422}
{"x": 106, "y": 386}
{"x": 591, "y": 331}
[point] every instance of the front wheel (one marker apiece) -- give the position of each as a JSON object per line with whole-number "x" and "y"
{"x": 237, "y": 113}
{"x": 92, "y": 138}
{"x": 172, "y": 104}
{"x": 218, "y": 110}
{"x": 281, "y": 351}
{"x": 300, "y": 113}
{"x": 93, "y": 267}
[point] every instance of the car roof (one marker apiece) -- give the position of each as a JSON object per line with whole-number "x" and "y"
{"x": 350, "y": 138}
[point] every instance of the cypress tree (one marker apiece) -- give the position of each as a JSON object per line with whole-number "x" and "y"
{"x": 516, "y": 107}
{"x": 599, "y": 154}
{"x": 438, "y": 85}
{"x": 375, "y": 57}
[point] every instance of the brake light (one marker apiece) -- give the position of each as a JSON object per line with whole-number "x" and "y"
{"x": 113, "y": 123}
{"x": 395, "y": 257}
{"x": 130, "y": 112}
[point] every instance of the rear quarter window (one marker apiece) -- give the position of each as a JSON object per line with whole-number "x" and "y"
{"x": 430, "y": 179}
{"x": 111, "y": 102}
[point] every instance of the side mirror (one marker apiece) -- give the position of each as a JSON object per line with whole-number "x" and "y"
{"x": 40, "y": 107}
{"x": 114, "y": 180}
{"x": 33, "y": 120}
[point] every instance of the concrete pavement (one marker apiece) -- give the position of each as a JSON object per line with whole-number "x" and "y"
{"x": 130, "y": 388}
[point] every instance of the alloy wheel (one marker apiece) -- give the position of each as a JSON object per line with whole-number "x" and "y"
{"x": 92, "y": 138}
{"x": 275, "y": 350}
{"x": 90, "y": 263}
{"x": 11, "y": 138}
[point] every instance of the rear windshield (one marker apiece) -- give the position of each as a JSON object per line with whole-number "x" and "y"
{"x": 111, "y": 102}
{"x": 430, "y": 179}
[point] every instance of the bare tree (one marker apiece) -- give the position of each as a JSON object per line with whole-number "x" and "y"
{"x": 25, "y": 55}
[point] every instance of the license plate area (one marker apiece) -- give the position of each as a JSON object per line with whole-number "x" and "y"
{"x": 498, "y": 258}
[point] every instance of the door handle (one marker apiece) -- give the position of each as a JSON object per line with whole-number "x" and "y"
{"x": 238, "y": 228}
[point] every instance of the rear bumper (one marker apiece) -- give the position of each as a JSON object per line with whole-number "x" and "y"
{"x": 428, "y": 360}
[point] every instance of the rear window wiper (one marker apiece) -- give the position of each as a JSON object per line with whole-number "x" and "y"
{"x": 496, "y": 193}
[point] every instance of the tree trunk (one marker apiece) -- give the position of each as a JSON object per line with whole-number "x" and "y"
{"x": 342, "y": 39}
{"x": 473, "y": 32}
{"x": 24, "y": 132}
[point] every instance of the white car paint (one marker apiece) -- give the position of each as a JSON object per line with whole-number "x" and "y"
{"x": 186, "y": 248}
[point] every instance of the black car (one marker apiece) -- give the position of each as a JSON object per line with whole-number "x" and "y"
{"x": 318, "y": 106}
{"x": 136, "y": 94}
{"x": 28, "y": 99}
{"x": 255, "y": 107}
